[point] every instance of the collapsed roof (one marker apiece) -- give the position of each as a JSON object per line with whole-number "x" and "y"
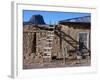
{"x": 80, "y": 22}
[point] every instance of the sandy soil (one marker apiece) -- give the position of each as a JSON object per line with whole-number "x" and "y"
{"x": 59, "y": 63}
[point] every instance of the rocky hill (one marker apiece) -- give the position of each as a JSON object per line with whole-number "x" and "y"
{"x": 36, "y": 19}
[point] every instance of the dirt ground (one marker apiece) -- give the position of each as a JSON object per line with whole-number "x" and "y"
{"x": 59, "y": 63}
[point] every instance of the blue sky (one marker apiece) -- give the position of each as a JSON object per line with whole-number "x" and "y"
{"x": 51, "y": 16}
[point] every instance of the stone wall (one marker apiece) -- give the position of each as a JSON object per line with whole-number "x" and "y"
{"x": 29, "y": 44}
{"x": 34, "y": 43}
{"x": 73, "y": 32}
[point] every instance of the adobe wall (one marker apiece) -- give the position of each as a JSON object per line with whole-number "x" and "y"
{"x": 28, "y": 42}
{"x": 73, "y": 32}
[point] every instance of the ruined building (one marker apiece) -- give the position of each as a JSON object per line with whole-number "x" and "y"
{"x": 44, "y": 43}
{"x": 73, "y": 32}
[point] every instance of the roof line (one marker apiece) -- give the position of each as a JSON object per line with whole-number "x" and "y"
{"x": 77, "y": 17}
